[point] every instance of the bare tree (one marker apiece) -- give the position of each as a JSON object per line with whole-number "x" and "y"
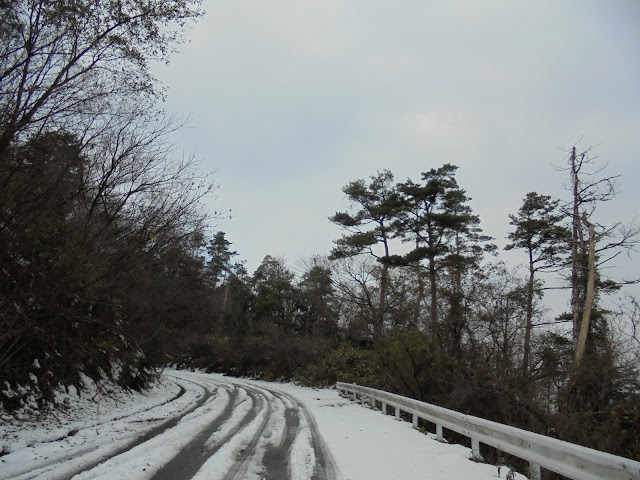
{"x": 592, "y": 244}
{"x": 92, "y": 198}
{"x": 356, "y": 286}
{"x": 64, "y": 64}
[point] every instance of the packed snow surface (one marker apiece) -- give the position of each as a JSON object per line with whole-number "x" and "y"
{"x": 238, "y": 428}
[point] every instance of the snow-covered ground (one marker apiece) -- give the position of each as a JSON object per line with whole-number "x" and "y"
{"x": 240, "y": 423}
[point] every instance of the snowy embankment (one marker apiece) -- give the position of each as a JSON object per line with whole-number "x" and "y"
{"x": 240, "y": 429}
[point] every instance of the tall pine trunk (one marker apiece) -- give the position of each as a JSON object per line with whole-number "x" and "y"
{"x": 378, "y": 326}
{"x": 529, "y": 320}
{"x": 433, "y": 291}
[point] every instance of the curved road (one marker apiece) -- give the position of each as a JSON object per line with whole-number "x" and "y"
{"x": 260, "y": 433}
{"x": 212, "y": 427}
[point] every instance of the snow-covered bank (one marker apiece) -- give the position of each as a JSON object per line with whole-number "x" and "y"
{"x": 363, "y": 443}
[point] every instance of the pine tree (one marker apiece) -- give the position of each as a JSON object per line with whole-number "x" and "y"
{"x": 318, "y": 299}
{"x": 436, "y": 218}
{"x": 538, "y": 231}
{"x": 377, "y": 204}
{"x": 219, "y": 265}
{"x": 275, "y": 294}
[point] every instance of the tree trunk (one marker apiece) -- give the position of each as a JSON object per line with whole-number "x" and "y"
{"x": 433, "y": 291}
{"x": 456, "y": 304}
{"x": 575, "y": 290}
{"x": 378, "y": 326}
{"x": 419, "y": 297}
{"x": 529, "y": 319}
{"x": 224, "y": 302}
{"x": 586, "y": 313}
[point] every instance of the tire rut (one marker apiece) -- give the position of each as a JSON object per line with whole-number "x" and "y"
{"x": 192, "y": 457}
{"x": 325, "y": 467}
{"x": 255, "y": 447}
{"x": 249, "y": 451}
{"x": 274, "y": 459}
{"x": 155, "y": 431}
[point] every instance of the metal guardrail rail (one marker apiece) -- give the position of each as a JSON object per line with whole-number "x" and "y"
{"x": 568, "y": 459}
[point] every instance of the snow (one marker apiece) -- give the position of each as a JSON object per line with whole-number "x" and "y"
{"x": 302, "y": 455}
{"x": 369, "y": 445}
{"x": 97, "y": 433}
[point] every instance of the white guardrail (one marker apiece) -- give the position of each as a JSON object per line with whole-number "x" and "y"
{"x": 568, "y": 459}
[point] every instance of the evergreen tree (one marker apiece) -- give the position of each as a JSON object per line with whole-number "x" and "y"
{"x": 219, "y": 265}
{"x": 376, "y": 205}
{"x": 436, "y": 218}
{"x": 320, "y": 313}
{"x": 538, "y": 231}
{"x": 275, "y": 294}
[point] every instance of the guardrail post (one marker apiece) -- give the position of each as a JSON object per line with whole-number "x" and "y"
{"x": 534, "y": 471}
{"x": 384, "y": 408}
{"x": 439, "y": 432}
{"x": 475, "y": 449}
{"x": 415, "y": 420}
{"x": 372, "y": 402}
{"x": 355, "y": 397}
{"x": 397, "y": 413}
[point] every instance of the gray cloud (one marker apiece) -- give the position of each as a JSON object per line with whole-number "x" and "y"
{"x": 294, "y": 99}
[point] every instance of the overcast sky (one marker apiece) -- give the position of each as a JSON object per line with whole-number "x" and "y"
{"x": 292, "y": 99}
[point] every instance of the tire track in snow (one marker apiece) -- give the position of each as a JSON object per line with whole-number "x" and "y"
{"x": 187, "y": 463}
{"x": 272, "y": 460}
{"x": 325, "y": 467}
{"x": 280, "y": 440}
{"x": 222, "y": 429}
{"x": 247, "y": 455}
{"x": 64, "y": 466}
{"x": 154, "y": 432}
{"x": 144, "y": 460}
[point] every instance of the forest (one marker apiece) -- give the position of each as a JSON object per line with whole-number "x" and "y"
{"x": 112, "y": 268}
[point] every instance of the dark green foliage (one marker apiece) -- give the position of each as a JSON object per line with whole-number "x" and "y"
{"x": 343, "y": 363}
{"x": 370, "y": 229}
{"x": 437, "y": 221}
{"x": 376, "y": 204}
{"x": 269, "y": 355}
{"x": 540, "y": 233}
{"x": 219, "y": 265}
{"x": 318, "y": 305}
{"x": 275, "y": 300}
{"x": 82, "y": 293}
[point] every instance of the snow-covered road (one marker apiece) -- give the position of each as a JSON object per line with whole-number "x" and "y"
{"x": 207, "y": 426}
